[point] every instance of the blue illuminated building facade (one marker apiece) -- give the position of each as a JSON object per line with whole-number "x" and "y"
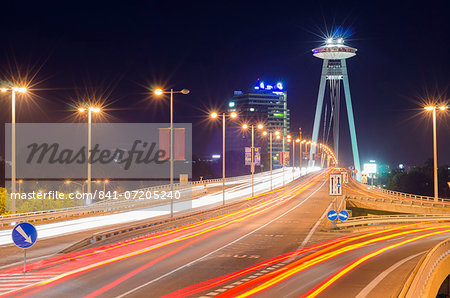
{"x": 267, "y": 104}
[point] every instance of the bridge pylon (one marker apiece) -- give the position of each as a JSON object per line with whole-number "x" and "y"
{"x": 334, "y": 71}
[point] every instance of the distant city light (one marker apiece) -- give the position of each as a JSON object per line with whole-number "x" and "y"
{"x": 401, "y": 166}
{"x": 372, "y": 160}
{"x": 252, "y": 109}
{"x": 370, "y": 168}
{"x": 216, "y": 156}
{"x": 275, "y": 88}
{"x": 231, "y": 104}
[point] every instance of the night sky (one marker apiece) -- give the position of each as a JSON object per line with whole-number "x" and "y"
{"x": 117, "y": 51}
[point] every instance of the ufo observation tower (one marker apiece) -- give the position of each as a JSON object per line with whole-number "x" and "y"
{"x": 334, "y": 70}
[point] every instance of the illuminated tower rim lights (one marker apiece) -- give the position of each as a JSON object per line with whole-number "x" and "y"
{"x": 334, "y": 70}
{"x": 334, "y": 49}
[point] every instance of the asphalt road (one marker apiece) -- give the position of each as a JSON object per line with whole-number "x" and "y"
{"x": 234, "y": 241}
{"x": 263, "y": 249}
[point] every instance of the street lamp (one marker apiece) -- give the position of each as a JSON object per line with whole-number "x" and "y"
{"x": 20, "y": 182}
{"x": 277, "y": 133}
{"x": 434, "y": 108}
{"x": 265, "y": 133}
{"x": 106, "y": 181}
{"x": 300, "y": 154}
{"x": 232, "y": 115}
{"x": 13, "y": 140}
{"x": 68, "y": 182}
{"x": 90, "y": 110}
{"x": 160, "y": 92}
{"x": 252, "y": 166}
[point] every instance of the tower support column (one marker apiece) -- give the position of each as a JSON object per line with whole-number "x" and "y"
{"x": 320, "y": 97}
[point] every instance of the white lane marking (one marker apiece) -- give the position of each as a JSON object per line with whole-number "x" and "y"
{"x": 28, "y": 260}
{"x": 364, "y": 292}
{"x": 220, "y": 248}
{"x": 313, "y": 230}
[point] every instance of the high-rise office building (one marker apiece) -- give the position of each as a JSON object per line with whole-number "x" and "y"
{"x": 266, "y": 104}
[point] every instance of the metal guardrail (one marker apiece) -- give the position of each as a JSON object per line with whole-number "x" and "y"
{"x": 390, "y": 219}
{"x": 107, "y": 206}
{"x": 422, "y": 282}
{"x": 401, "y": 201}
{"x": 409, "y": 196}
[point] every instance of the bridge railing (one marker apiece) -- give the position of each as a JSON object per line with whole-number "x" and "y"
{"x": 427, "y": 277}
{"x": 390, "y": 219}
{"x": 403, "y": 201}
{"x": 408, "y": 196}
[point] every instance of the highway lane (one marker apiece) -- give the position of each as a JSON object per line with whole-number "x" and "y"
{"x": 394, "y": 255}
{"x": 258, "y": 250}
{"x": 237, "y": 190}
{"x": 210, "y": 243}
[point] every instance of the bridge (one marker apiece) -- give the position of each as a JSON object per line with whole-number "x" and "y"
{"x": 278, "y": 241}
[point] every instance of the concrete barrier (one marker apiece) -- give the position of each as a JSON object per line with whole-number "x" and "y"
{"x": 428, "y": 275}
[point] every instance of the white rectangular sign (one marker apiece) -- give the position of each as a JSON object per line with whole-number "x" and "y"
{"x": 344, "y": 177}
{"x": 335, "y": 185}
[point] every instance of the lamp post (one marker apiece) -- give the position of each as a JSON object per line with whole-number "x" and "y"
{"x": 68, "y": 182}
{"x": 435, "y": 171}
{"x": 106, "y": 181}
{"x": 96, "y": 110}
{"x": 270, "y": 154}
{"x": 301, "y": 153}
{"x": 20, "y": 182}
{"x": 300, "y": 157}
{"x": 252, "y": 166}
{"x": 159, "y": 92}
{"x": 13, "y": 140}
{"x": 214, "y": 115}
{"x": 306, "y": 148}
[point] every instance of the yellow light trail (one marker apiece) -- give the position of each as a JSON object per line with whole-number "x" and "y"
{"x": 358, "y": 262}
{"x": 276, "y": 201}
{"x": 300, "y": 265}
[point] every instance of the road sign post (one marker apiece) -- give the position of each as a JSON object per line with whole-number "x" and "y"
{"x": 332, "y": 215}
{"x": 344, "y": 177}
{"x": 24, "y": 235}
{"x": 335, "y": 189}
{"x": 335, "y": 185}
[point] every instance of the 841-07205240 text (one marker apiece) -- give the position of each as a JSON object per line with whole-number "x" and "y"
{"x": 99, "y": 195}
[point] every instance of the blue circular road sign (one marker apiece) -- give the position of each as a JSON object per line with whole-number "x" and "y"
{"x": 332, "y": 215}
{"x": 24, "y": 235}
{"x": 343, "y": 215}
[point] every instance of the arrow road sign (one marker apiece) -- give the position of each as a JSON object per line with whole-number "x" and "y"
{"x": 343, "y": 215}
{"x": 24, "y": 235}
{"x": 335, "y": 185}
{"x": 332, "y": 215}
